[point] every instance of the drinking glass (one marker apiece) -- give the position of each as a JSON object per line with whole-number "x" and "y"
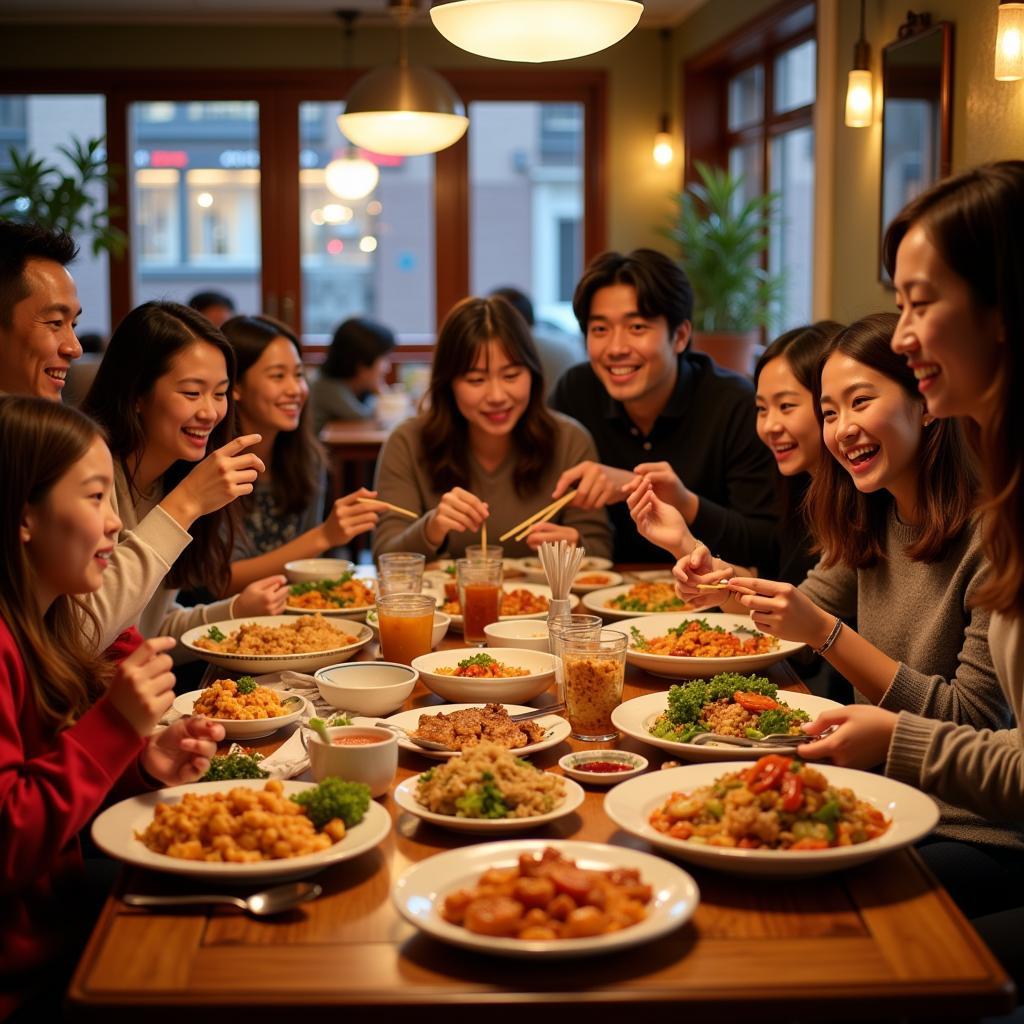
{"x": 595, "y": 669}
{"x": 406, "y": 623}
{"x": 477, "y": 553}
{"x": 479, "y": 596}
{"x": 587, "y": 625}
{"x": 400, "y": 572}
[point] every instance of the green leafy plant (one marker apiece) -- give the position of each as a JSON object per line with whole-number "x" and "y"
{"x": 720, "y": 235}
{"x": 34, "y": 190}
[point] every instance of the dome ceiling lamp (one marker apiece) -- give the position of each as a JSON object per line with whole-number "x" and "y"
{"x": 535, "y": 31}
{"x": 403, "y": 110}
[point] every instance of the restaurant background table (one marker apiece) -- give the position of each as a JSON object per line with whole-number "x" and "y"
{"x": 882, "y": 941}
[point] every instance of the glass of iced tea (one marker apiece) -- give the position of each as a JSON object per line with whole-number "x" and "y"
{"x": 479, "y": 553}
{"x": 595, "y": 669}
{"x": 479, "y": 596}
{"x": 406, "y": 622}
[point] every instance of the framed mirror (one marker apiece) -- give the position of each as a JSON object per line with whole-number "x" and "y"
{"x": 917, "y": 87}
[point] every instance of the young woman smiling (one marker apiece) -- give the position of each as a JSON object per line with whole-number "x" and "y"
{"x": 283, "y": 517}
{"x": 73, "y": 728}
{"x": 163, "y": 394}
{"x": 486, "y": 449}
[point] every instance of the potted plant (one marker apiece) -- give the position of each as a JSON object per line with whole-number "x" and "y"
{"x": 33, "y": 190}
{"x": 720, "y": 235}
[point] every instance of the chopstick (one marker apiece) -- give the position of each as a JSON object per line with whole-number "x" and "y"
{"x": 721, "y": 585}
{"x": 530, "y": 520}
{"x": 483, "y": 539}
{"x": 392, "y": 508}
{"x": 549, "y": 513}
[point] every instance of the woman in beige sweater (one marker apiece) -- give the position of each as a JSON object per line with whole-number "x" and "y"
{"x": 487, "y": 449}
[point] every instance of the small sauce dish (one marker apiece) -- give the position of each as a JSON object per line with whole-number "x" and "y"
{"x": 602, "y": 767}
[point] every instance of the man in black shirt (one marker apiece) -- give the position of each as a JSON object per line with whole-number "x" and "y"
{"x": 658, "y": 409}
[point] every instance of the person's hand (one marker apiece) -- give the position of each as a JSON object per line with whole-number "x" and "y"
{"x": 264, "y": 597}
{"x": 669, "y": 488}
{"x": 143, "y": 685}
{"x": 224, "y": 475}
{"x": 861, "y": 740}
{"x": 458, "y": 511}
{"x": 181, "y": 753}
{"x": 542, "y": 533}
{"x": 782, "y": 610}
{"x": 596, "y": 484}
{"x": 350, "y": 517}
{"x": 657, "y": 520}
{"x": 695, "y": 568}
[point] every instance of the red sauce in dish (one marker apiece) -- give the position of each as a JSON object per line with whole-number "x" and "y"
{"x": 353, "y": 741}
{"x": 603, "y": 767}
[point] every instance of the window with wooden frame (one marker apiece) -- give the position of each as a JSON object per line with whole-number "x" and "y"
{"x": 749, "y": 107}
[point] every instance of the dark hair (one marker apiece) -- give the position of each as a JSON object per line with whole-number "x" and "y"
{"x": 969, "y": 219}
{"x": 140, "y": 351}
{"x": 91, "y": 342}
{"x": 946, "y": 483}
{"x": 519, "y": 301}
{"x": 471, "y": 324}
{"x": 296, "y": 459}
{"x": 356, "y": 343}
{"x": 39, "y": 442}
{"x": 202, "y": 301}
{"x": 802, "y": 348}
{"x": 662, "y": 287}
{"x": 20, "y": 243}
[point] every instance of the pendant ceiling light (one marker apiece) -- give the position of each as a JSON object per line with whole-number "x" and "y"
{"x": 535, "y": 30}
{"x": 403, "y": 110}
{"x": 1010, "y": 42}
{"x": 663, "y": 151}
{"x": 860, "y": 89}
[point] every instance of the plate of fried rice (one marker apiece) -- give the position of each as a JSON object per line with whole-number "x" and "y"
{"x": 776, "y": 816}
{"x": 684, "y": 646}
{"x": 488, "y": 789}
{"x": 645, "y": 597}
{"x": 244, "y": 708}
{"x": 343, "y": 596}
{"x": 502, "y": 674}
{"x": 273, "y": 643}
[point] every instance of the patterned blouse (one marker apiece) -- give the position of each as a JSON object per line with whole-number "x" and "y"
{"x": 265, "y": 528}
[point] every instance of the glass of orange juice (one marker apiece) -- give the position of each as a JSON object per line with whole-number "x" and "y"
{"x": 479, "y": 596}
{"x": 406, "y": 622}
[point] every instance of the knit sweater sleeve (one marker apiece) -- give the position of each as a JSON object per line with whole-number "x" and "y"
{"x": 833, "y": 589}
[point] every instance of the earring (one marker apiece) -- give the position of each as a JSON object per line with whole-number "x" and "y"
{"x": 927, "y": 420}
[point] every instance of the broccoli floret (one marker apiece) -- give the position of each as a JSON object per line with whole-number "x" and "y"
{"x": 246, "y": 685}
{"x": 215, "y": 634}
{"x": 686, "y": 702}
{"x": 335, "y": 798}
{"x": 238, "y": 765}
{"x": 482, "y": 801}
{"x": 776, "y": 720}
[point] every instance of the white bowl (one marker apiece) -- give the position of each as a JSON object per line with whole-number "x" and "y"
{"x": 441, "y": 624}
{"x": 527, "y": 634}
{"x": 603, "y": 577}
{"x": 309, "y": 570}
{"x": 248, "y": 728}
{"x": 369, "y": 688}
{"x": 570, "y": 764}
{"x": 373, "y": 763}
{"x": 510, "y": 690}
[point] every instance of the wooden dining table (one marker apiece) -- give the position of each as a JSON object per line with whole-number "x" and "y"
{"x": 881, "y": 941}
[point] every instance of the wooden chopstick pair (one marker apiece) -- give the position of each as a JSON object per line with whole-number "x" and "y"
{"x": 520, "y": 530}
{"x": 387, "y": 504}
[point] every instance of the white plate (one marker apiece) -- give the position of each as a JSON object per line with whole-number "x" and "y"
{"x": 596, "y": 600}
{"x": 913, "y": 815}
{"x": 557, "y": 729}
{"x": 114, "y": 832}
{"x": 258, "y": 663}
{"x": 608, "y": 579}
{"x": 418, "y": 891}
{"x": 511, "y": 689}
{"x": 356, "y": 611}
{"x": 635, "y": 716}
{"x": 672, "y": 667}
{"x": 405, "y": 797}
{"x": 541, "y": 590}
{"x": 535, "y": 571}
{"x": 247, "y": 729}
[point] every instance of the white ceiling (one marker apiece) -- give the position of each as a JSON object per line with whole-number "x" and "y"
{"x": 657, "y": 13}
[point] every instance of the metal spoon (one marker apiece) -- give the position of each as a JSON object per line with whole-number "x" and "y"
{"x": 262, "y": 904}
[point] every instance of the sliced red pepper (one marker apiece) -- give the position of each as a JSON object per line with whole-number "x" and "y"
{"x": 755, "y": 703}
{"x": 767, "y": 772}
{"x": 792, "y": 792}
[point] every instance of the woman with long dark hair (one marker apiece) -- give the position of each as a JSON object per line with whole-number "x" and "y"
{"x": 283, "y": 519}
{"x": 163, "y": 395}
{"x": 72, "y": 725}
{"x": 487, "y": 449}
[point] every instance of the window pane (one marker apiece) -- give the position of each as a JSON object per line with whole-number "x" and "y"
{"x": 372, "y": 256}
{"x": 746, "y": 98}
{"x": 792, "y": 243}
{"x": 794, "y": 82}
{"x": 526, "y": 203}
{"x": 195, "y": 212}
{"x": 745, "y": 161}
{"x": 38, "y": 125}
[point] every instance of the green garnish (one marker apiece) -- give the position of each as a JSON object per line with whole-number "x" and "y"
{"x": 338, "y": 720}
{"x": 636, "y": 604}
{"x": 639, "y": 640}
{"x": 215, "y": 634}
{"x": 482, "y": 801}
{"x": 682, "y": 721}
{"x": 238, "y": 765}
{"x": 483, "y": 660}
{"x": 324, "y": 587}
{"x": 748, "y": 630}
{"x": 686, "y": 623}
{"x": 335, "y": 798}
{"x": 246, "y": 685}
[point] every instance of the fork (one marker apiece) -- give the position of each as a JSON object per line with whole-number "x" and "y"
{"x": 775, "y": 739}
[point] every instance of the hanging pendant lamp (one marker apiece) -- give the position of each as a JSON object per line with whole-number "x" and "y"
{"x": 535, "y": 30}
{"x": 403, "y": 110}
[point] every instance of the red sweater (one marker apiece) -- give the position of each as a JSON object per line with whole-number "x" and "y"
{"x": 50, "y": 787}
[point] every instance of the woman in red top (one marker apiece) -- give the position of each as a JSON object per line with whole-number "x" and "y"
{"x": 74, "y": 729}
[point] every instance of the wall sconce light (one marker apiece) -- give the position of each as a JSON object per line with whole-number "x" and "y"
{"x": 860, "y": 89}
{"x": 663, "y": 151}
{"x": 1010, "y": 42}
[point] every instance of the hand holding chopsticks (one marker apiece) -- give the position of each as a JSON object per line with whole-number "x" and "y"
{"x": 458, "y": 511}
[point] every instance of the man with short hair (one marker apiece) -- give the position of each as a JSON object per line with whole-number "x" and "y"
{"x": 217, "y": 307}
{"x": 654, "y": 407}
{"x": 38, "y": 310}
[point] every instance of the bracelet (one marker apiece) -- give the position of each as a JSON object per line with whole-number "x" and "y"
{"x": 831, "y": 638}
